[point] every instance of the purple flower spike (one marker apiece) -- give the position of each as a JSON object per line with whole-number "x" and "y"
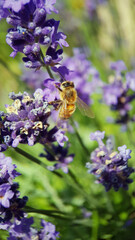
{"x": 80, "y": 74}
{"x": 118, "y": 95}
{"x": 16, "y": 6}
{"x": 23, "y": 230}
{"x": 124, "y": 152}
{"x": 49, "y": 6}
{"x": 130, "y": 76}
{"x": 3, "y": 11}
{"x": 60, "y": 137}
{"x": 48, "y": 230}
{"x": 118, "y": 66}
{"x": 10, "y": 203}
{"x": 5, "y": 195}
{"x": 31, "y": 28}
{"x": 110, "y": 167}
{"x": 97, "y": 136}
{"x": 26, "y": 121}
{"x": 60, "y": 158}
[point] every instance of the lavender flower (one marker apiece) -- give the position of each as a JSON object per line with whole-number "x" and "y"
{"x": 12, "y": 217}
{"x": 117, "y": 94}
{"x": 10, "y": 203}
{"x": 3, "y": 11}
{"x": 60, "y": 156}
{"x": 130, "y": 80}
{"x": 16, "y": 6}
{"x": 31, "y": 28}
{"x": 24, "y": 230}
{"x": 26, "y": 121}
{"x": 110, "y": 167}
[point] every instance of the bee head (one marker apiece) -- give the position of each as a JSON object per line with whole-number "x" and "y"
{"x": 67, "y": 84}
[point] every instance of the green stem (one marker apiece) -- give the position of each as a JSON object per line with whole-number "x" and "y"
{"x": 35, "y": 160}
{"x": 77, "y": 185}
{"x": 79, "y": 138}
{"x": 51, "y": 213}
{"x": 95, "y": 225}
{"x": 49, "y": 71}
{"x": 45, "y": 65}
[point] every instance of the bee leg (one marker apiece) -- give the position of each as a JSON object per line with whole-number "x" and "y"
{"x": 58, "y": 88}
{"x": 56, "y": 102}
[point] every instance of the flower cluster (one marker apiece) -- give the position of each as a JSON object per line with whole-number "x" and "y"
{"x": 23, "y": 230}
{"x": 12, "y": 216}
{"x": 118, "y": 94}
{"x": 110, "y": 167}
{"x": 10, "y": 203}
{"x": 26, "y": 122}
{"x": 32, "y": 28}
{"x": 60, "y": 156}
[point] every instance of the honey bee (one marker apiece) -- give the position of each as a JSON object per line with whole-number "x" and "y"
{"x": 68, "y": 100}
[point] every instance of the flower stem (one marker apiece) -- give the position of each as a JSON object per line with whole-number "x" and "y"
{"x": 79, "y": 138}
{"x": 35, "y": 160}
{"x": 46, "y": 66}
{"x": 49, "y": 71}
{"x": 51, "y": 213}
{"x": 78, "y": 186}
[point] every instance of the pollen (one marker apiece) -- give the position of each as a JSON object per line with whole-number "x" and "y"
{"x": 11, "y": 109}
{"x": 107, "y": 162}
{"x": 17, "y": 104}
{"x": 38, "y": 125}
{"x": 101, "y": 154}
{"x": 98, "y": 171}
{"x": 26, "y": 99}
{"x": 112, "y": 154}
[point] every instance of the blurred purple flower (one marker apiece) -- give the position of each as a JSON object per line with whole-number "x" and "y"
{"x": 118, "y": 95}
{"x": 118, "y": 66}
{"x": 34, "y": 79}
{"x": 110, "y": 167}
{"x": 14, "y": 5}
{"x": 130, "y": 80}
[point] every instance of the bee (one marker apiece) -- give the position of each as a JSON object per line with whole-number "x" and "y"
{"x": 68, "y": 100}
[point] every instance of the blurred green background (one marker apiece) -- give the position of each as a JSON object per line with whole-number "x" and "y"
{"x": 110, "y": 36}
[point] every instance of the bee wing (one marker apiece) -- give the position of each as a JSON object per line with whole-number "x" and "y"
{"x": 84, "y": 108}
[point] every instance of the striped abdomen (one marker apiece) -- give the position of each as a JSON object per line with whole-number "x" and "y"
{"x": 66, "y": 112}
